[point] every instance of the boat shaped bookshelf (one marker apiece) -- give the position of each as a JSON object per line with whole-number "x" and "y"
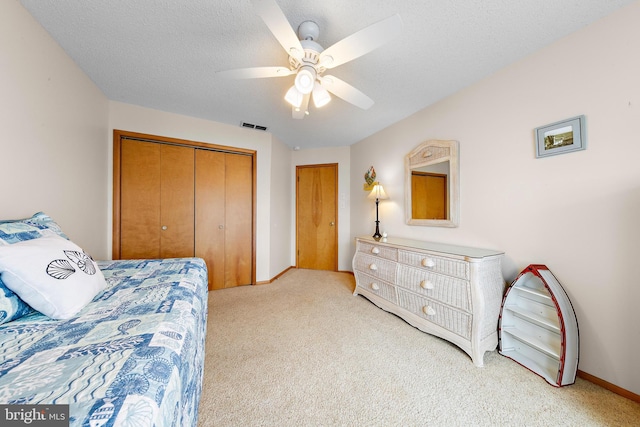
{"x": 538, "y": 326}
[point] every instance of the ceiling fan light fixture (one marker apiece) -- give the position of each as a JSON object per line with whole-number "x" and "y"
{"x": 308, "y": 60}
{"x": 305, "y": 79}
{"x": 321, "y": 96}
{"x": 294, "y": 97}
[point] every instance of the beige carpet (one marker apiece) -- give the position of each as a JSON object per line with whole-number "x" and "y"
{"x": 303, "y": 351}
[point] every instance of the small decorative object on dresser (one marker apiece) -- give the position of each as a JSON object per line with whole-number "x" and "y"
{"x": 369, "y": 179}
{"x": 453, "y": 292}
{"x": 538, "y": 326}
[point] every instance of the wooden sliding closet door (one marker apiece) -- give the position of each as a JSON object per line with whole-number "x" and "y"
{"x": 177, "y": 198}
{"x": 177, "y": 202}
{"x": 224, "y": 217}
{"x": 157, "y": 205}
{"x": 239, "y": 225}
{"x": 210, "y": 214}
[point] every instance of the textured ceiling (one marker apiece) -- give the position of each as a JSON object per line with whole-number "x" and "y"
{"x": 163, "y": 54}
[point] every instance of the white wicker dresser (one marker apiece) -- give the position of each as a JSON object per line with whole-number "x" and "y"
{"x": 453, "y": 292}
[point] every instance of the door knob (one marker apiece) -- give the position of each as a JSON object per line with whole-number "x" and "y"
{"x": 221, "y": 226}
{"x": 332, "y": 223}
{"x": 164, "y": 227}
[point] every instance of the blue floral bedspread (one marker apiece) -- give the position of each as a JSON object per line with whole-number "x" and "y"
{"x": 132, "y": 357}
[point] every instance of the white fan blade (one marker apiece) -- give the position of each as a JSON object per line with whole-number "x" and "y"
{"x": 256, "y": 73}
{"x": 299, "y": 113}
{"x": 273, "y": 16}
{"x": 347, "y": 92}
{"x": 361, "y": 42}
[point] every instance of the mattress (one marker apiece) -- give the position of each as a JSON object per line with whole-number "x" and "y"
{"x": 133, "y": 356}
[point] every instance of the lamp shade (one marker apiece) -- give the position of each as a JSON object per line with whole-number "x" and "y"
{"x": 378, "y": 193}
{"x": 320, "y": 96}
{"x": 294, "y": 97}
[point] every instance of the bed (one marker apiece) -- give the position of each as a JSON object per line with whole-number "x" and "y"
{"x": 132, "y": 356}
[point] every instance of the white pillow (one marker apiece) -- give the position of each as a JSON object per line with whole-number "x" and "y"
{"x": 51, "y": 274}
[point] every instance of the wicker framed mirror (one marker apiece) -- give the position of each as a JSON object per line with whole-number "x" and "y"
{"x": 432, "y": 184}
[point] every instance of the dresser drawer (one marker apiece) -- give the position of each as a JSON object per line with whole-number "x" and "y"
{"x": 378, "y": 250}
{"x": 443, "y": 265}
{"x": 376, "y": 286}
{"x": 450, "y": 290}
{"x": 456, "y": 321}
{"x": 374, "y": 266}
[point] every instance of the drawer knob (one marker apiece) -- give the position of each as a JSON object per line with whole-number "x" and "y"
{"x": 426, "y": 284}
{"x": 428, "y": 262}
{"x": 375, "y": 286}
{"x": 428, "y": 311}
{"x": 373, "y": 267}
{"x": 375, "y": 251}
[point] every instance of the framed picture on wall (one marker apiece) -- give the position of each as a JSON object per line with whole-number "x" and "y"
{"x": 561, "y": 137}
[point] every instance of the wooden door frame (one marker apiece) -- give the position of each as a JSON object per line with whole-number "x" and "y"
{"x": 335, "y": 166}
{"x": 117, "y": 167}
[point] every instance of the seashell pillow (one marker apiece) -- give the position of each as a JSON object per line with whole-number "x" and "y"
{"x": 18, "y": 230}
{"x": 51, "y": 274}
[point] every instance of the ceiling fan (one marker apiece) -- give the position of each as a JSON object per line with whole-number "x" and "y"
{"x": 308, "y": 60}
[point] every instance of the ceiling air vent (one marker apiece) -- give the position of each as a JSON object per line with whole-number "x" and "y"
{"x": 252, "y": 126}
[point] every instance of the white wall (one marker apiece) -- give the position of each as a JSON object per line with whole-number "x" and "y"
{"x": 144, "y": 120}
{"x": 281, "y": 208}
{"x": 341, "y": 156}
{"x": 54, "y": 133}
{"x": 577, "y": 212}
